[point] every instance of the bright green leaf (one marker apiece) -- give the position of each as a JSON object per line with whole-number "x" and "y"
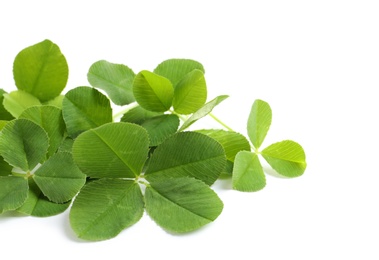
{"x": 202, "y": 112}
{"x": 23, "y": 144}
{"x": 160, "y": 128}
{"x": 181, "y": 204}
{"x": 188, "y": 154}
{"x": 17, "y": 101}
{"x": 153, "y": 92}
{"x": 13, "y": 192}
{"x": 2, "y": 124}
{"x": 59, "y": 178}
{"x": 138, "y": 115}
{"x": 105, "y": 207}
{"x": 176, "y": 69}
{"x": 286, "y": 157}
{"x": 41, "y": 70}
{"x": 85, "y": 108}
{"x": 112, "y": 150}
{"x": 232, "y": 142}
{"x": 259, "y": 122}
{"x": 248, "y": 173}
{"x": 115, "y": 79}
{"x": 51, "y": 120}
{"x": 190, "y": 93}
{"x": 38, "y": 205}
{"x": 4, "y": 114}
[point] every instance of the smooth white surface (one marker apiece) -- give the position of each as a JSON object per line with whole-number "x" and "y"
{"x": 315, "y": 62}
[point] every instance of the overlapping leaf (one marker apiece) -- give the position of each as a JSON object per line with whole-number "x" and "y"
{"x": 112, "y": 150}
{"x": 138, "y": 115}
{"x": 153, "y": 92}
{"x": 105, "y": 207}
{"x": 202, "y": 112}
{"x": 41, "y": 70}
{"x": 176, "y": 69}
{"x": 23, "y": 144}
{"x": 4, "y": 114}
{"x": 115, "y": 79}
{"x": 13, "y": 192}
{"x": 190, "y": 93}
{"x": 39, "y": 205}
{"x": 188, "y": 154}
{"x": 85, "y": 108}
{"x": 160, "y": 128}
{"x": 51, "y": 120}
{"x": 17, "y": 101}
{"x": 59, "y": 178}
{"x": 181, "y": 204}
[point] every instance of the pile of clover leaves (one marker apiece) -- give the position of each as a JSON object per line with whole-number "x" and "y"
{"x": 60, "y": 149}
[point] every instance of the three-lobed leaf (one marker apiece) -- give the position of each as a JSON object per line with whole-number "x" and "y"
{"x": 114, "y": 150}
{"x": 115, "y": 79}
{"x": 105, "y": 207}
{"x": 153, "y": 92}
{"x": 23, "y": 144}
{"x": 188, "y": 154}
{"x": 85, "y": 108}
{"x": 286, "y": 157}
{"x": 181, "y": 204}
{"x": 41, "y": 70}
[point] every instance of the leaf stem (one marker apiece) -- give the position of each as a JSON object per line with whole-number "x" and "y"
{"x": 220, "y": 122}
{"x": 124, "y": 110}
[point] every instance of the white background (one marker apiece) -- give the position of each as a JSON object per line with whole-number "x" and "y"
{"x": 315, "y": 62}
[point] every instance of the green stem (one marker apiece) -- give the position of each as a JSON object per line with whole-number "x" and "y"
{"x": 124, "y": 110}
{"x": 220, "y": 122}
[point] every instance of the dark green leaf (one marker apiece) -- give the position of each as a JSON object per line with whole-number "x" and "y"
{"x": 153, "y": 92}
{"x": 38, "y": 205}
{"x": 23, "y": 144}
{"x": 59, "y": 178}
{"x": 51, "y": 120}
{"x": 190, "y": 93}
{"x": 286, "y": 157}
{"x": 176, "y": 69}
{"x": 112, "y": 150}
{"x": 85, "y": 108}
{"x": 138, "y": 115}
{"x": 4, "y": 114}
{"x": 248, "y": 173}
{"x": 202, "y": 112}
{"x": 105, "y": 207}
{"x": 259, "y": 122}
{"x": 160, "y": 128}
{"x": 181, "y": 204}
{"x": 188, "y": 154}
{"x": 13, "y": 192}
{"x": 115, "y": 79}
{"x": 41, "y": 70}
